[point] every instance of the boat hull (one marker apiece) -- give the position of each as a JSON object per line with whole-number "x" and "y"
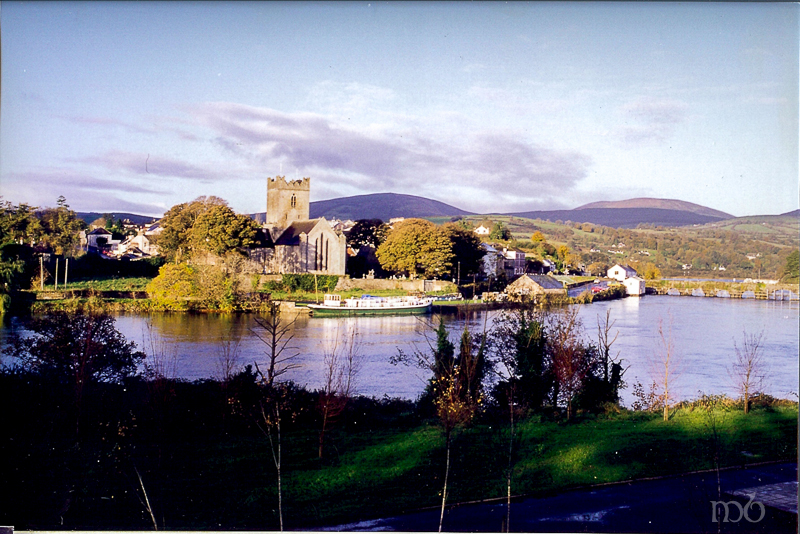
{"x": 318, "y": 310}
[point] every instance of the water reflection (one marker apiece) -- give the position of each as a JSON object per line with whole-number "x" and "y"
{"x": 703, "y": 331}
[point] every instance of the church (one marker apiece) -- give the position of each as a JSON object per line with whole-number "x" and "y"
{"x": 299, "y": 244}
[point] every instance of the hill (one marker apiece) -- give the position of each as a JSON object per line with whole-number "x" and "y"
{"x": 658, "y": 203}
{"x": 622, "y": 217}
{"x": 91, "y": 216}
{"x": 382, "y": 206}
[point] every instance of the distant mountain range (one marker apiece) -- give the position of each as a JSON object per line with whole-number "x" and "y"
{"x": 385, "y": 206}
{"x": 658, "y": 203}
{"x": 622, "y": 214}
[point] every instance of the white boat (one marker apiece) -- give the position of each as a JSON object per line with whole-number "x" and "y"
{"x": 370, "y": 305}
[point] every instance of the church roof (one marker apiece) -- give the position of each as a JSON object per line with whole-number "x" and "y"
{"x": 291, "y": 236}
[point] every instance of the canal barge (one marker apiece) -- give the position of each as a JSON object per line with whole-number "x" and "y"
{"x": 333, "y": 305}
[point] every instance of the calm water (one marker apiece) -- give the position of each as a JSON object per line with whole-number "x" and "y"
{"x": 703, "y": 332}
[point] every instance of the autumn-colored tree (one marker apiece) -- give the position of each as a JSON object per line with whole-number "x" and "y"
{"x": 650, "y": 271}
{"x": 570, "y": 359}
{"x": 418, "y": 247}
{"x": 219, "y": 230}
{"x": 537, "y": 237}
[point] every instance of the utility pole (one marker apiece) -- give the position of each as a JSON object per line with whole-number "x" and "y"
{"x": 55, "y": 280}
{"x": 41, "y": 272}
{"x": 66, "y": 270}
{"x": 459, "y": 274}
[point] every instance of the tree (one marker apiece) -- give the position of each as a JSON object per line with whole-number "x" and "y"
{"x": 367, "y": 233}
{"x": 78, "y": 349}
{"x": 651, "y": 272}
{"x": 276, "y": 334}
{"x": 175, "y": 239}
{"x": 518, "y": 343}
{"x": 500, "y": 232}
{"x": 342, "y": 361}
{"x": 537, "y": 237}
{"x": 60, "y": 227}
{"x": 456, "y": 384}
{"x": 665, "y": 366}
{"x": 19, "y": 224}
{"x": 174, "y": 287}
{"x": 418, "y": 247}
{"x": 457, "y": 397}
{"x": 570, "y": 359}
{"x": 791, "y": 270}
{"x": 467, "y": 248}
{"x": 219, "y": 230}
{"x": 749, "y": 370}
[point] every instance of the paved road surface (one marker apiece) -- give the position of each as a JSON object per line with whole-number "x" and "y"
{"x": 675, "y": 504}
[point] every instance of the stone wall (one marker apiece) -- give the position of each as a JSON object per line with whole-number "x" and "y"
{"x": 367, "y": 284}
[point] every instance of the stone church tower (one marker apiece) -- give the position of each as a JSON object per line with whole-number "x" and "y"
{"x": 287, "y": 201}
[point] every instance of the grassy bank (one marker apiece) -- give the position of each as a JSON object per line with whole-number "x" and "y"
{"x": 205, "y": 465}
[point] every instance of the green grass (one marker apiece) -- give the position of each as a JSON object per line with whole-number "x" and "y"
{"x": 109, "y": 284}
{"x": 382, "y": 473}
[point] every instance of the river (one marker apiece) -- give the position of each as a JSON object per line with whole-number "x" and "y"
{"x": 703, "y": 332}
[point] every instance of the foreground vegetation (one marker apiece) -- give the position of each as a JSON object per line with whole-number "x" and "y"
{"x": 204, "y": 464}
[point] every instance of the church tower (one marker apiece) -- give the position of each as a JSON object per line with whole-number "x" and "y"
{"x": 287, "y": 201}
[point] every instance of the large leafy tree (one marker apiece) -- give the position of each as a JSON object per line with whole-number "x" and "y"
{"x": 219, "y": 230}
{"x": 19, "y": 224}
{"x": 368, "y": 233}
{"x": 205, "y": 224}
{"x": 466, "y": 246}
{"x": 174, "y": 241}
{"x": 76, "y": 349}
{"x": 418, "y": 247}
{"x": 60, "y": 228}
{"x": 791, "y": 270}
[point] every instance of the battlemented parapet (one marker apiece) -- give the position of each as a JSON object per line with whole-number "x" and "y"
{"x": 287, "y": 201}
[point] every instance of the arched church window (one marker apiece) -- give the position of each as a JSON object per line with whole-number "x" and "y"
{"x": 294, "y": 201}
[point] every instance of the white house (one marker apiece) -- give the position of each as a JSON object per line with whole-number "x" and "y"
{"x": 482, "y": 230}
{"x": 634, "y": 286}
{"x": 621, "y": 272}
{"x": 141, "y": 242}
{"x": 101, "y": 239}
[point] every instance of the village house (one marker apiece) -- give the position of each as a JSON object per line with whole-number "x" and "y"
{"x": 534, "y": 284}
{"x": 101, "y": 241}
{"x": 634, "y": 285}
{"x": 621, "y": 272}
{"x": 482, "y": 230}
{"x": 514, "y": 263}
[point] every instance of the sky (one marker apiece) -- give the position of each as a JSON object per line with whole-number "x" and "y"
{"x": 490, "y": 107}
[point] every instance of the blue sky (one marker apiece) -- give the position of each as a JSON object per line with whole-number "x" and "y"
{"x": 488, "y": 107}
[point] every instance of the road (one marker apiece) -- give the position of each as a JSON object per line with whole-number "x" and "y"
{"x": 674, "y": 504}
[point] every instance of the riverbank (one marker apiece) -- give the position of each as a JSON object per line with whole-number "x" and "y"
{"x": 724, "y": 289}
{"x": 196, "y": 450}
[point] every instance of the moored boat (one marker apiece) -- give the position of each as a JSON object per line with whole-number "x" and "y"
{"x": 370, "y": 305}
